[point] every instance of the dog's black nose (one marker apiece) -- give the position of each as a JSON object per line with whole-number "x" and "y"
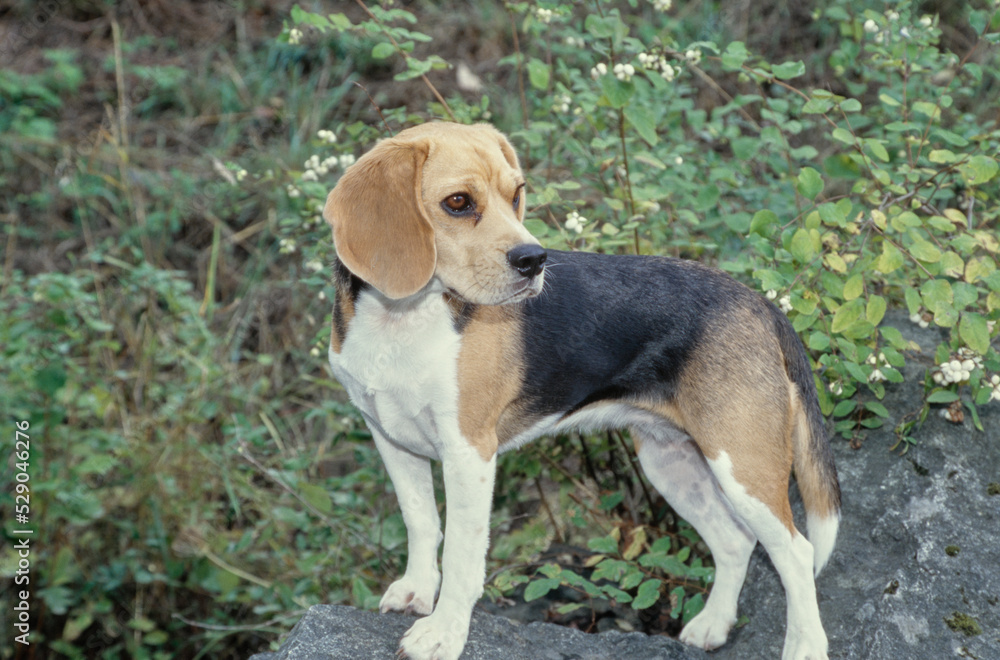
{"x": 527, "y": 259}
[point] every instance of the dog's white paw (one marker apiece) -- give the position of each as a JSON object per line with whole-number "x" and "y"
{"x": 707, "y": 631}
{"x": 410, "y": 595}
{"x": 434, "y": 638}
{"x": 805, "y": 645}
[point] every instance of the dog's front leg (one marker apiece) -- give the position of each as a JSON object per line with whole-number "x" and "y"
{"x": 468, "y": 483}
{"x": 411, "y": 477}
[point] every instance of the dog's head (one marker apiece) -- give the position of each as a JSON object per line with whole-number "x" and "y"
{"x": 438, "y": 201}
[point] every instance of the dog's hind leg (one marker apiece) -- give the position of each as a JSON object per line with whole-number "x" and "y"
{"x": 758, "y": 492}
{"x": 677, "y": 468}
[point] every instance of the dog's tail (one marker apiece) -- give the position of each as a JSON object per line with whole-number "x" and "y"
{"x": 815, "y": 471}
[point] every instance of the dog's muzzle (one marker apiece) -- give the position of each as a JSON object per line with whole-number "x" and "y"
{"x": 528, "y": 259}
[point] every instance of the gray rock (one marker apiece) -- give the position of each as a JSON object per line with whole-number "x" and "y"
{"x": 328, "y": 632}
{"x": 919, "y": 548}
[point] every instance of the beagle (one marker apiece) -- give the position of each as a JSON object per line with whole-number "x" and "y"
{"x": 458, "y": 336}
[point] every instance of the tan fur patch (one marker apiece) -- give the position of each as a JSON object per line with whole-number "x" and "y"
{"x": 733, "y": 397}
{"x": 490, "y": 369}
{"x": 335, "y": 343}
{"x": 345, "y": 307}
{"x": 815, "y": 492}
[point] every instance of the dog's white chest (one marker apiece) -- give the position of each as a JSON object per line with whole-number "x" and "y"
{"x": 399, "y": 366}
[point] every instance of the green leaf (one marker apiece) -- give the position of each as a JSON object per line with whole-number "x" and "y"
{"x": 383, "y": 50}
{"x": 632, "y": 579}
{"x": 860, "y": 329}
{"x": 604, "y": 545}
{"x": 841, "y": 166}
{"x": 736, "y": 54}
{"x": 905, "y": 220}
{"x": 888, "y": 100}
{"x": 707, "y": 198}
{"x": 942, "y": 156}
{"x": 952, "y": 264}
{"x": 890, "y": 259}
{"x": 340, "y": 21}
{"x": 951, "y": 138}
{"x": 762, "y": 222}
{"x": 803, "y": 322}
{"x": 570, "y": 607}
{"x": 843, "y": 135}
{"x": 788, "y": 70}
{"x": 877, "y": 408}
{"x": 809, "y": 183}
{"x": 692, "y": 606}
{"x": 936, "y": 294}
{"x": 844, "y": 408}
{"x": 317, "y": 497}
{"x": 414, "y": 69}
{"x": 815, "y": 106}
{"x": 978, "y": 268}
{"x": 611, "y": 500}
{"x": 744, "y": 148}
{"x": 942, "y": 396}
{"x": 927, "y": 109}
{"x": 979, "y": 169}
{"x": 847, "y": 314}
{"x": 875, "y": 311}
{"x": 649, "y": 593}
{"x": 850, "y": 105}
{"x": 538, "y": 588}
{"x": 142, "y": 624}
{"x": 50, "y": 379}
{"x": 877, "y": 149}
{"x": 602, "y": 27}
{"x": 617, "y": 93}
{"x": 872, "y": 422}
{"x": 818, "y": 342}
{"x": 619, "y": 595}
{"x": 802, "y": 246}
{"x": 974, "y": 332}
{"x": 538, "y": 74}
{"x": 894, "y": 337}
{"x": 835, "y": 262}
{"x": 644, "y": 121}
{"x": 853, "y": 287}
{"x": 76, "y": 626}
{"x": 769, "y": 279}
{"x": 946, "y": 317}
{"x": 856, "y": 372}
{"x": 925, "y": 251}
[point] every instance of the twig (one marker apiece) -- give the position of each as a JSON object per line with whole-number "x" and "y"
{"x": 375, "y": 105}
{"x": 245, "y": 628}
{"x": 548, "y": 510}
{"x": 520, "y": 70}
{"x": 245, "y": 453}
{"x": 406, "y": 56}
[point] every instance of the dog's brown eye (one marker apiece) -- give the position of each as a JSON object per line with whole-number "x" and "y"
{"x": 517, "y": 200}
{"x": 458, "y": 203}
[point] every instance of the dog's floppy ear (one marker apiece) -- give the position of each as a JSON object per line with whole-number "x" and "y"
{"x": 380, "y": 229}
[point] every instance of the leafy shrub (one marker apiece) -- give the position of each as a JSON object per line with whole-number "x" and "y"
{"x": 839, "y": 205}
{"x": 199, "y": 479}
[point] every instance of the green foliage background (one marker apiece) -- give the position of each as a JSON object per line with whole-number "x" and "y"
{"x": 196, "y": 478}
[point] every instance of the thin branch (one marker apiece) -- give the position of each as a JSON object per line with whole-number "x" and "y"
{"x": 406, "y": 56}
